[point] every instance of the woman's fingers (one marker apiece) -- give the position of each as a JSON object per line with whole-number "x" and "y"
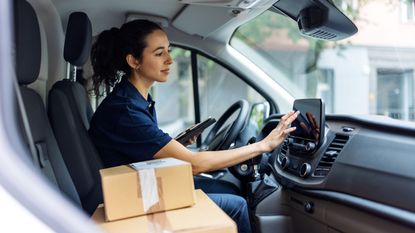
{"x": 283, "y": 118}
{"x": 289, "y": 130}
{"x": 287, "y": 119}
{"x": 293, "y": 116}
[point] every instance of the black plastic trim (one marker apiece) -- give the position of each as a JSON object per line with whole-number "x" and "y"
{"x": 319, "y": 19}
{"x": 381, "y": 210}
{"x": 195, "y": 82}
{"x": 374, "y": 122}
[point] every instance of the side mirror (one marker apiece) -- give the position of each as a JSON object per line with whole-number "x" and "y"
{"x": 259, "y": 112}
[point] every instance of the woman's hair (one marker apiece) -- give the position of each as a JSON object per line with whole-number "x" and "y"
{"x": 109, "y": 51}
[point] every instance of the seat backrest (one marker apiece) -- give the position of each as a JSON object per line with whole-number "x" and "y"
{"x": 70, "y": 112}
{"x": 28, "y": 58}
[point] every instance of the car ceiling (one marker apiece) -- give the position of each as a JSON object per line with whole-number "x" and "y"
{"x": 204, "y": 18}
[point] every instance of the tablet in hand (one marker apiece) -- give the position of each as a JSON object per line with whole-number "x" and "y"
{"x": 194, "y": 130}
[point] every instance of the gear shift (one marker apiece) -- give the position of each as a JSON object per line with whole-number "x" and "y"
{"x": 255, "y": 162}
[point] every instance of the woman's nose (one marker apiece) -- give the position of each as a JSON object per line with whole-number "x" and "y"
{"x": 169, "y": 59}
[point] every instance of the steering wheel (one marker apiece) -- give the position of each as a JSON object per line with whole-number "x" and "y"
{"x": 220, "y": 137}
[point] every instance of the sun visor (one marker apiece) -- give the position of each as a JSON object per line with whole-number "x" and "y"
{"x": 203, "y": 20}
{"x": 242, "y": 4}
{"x": 161, "y": 21}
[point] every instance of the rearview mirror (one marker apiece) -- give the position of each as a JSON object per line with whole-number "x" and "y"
{"x": 318, "y": 18}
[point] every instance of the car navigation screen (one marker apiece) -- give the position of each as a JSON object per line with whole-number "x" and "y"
{"x": 311, "y": 119}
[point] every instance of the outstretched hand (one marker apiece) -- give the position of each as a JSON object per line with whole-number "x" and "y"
{"x": 278, "y": 135}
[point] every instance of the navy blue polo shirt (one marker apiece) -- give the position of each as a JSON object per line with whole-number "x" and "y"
{"x": 124, "y": 127}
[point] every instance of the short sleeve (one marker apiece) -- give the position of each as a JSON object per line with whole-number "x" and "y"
{"x": 124, "y": 127}
{"x": 141, "y": 137}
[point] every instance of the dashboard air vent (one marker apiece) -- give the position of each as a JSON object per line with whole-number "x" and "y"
{"x": 330, "y": 155}
{"x": 284, "y": 148}
{"x": 283, "y": 152}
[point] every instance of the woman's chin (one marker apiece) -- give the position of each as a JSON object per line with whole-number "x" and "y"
{"x": 163, "y": 78}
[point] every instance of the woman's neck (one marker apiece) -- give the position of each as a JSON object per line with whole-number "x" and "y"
{"x": 142, "y": 85}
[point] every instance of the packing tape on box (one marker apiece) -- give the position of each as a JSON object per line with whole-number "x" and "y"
{"x": 148, "y": 187}
{"x": 158, "y": 223}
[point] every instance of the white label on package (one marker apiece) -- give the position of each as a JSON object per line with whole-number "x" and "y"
{"x": 157, "y": 163}
{"x": 148, "y": 185}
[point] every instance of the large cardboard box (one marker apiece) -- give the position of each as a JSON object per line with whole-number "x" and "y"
{"x": 204, "y": 217}
{"x": 147, "y": 187}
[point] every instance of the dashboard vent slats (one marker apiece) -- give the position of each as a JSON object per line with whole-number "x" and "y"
{"x": 333, "y": 150}
{"x": 284, "y": 149}
{"x": 283, "y": 152}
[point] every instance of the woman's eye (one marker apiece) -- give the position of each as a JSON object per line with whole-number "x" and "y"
{"x": 159, "y": 54}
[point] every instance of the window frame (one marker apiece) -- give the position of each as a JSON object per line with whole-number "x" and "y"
{"x": 194, "y": 62}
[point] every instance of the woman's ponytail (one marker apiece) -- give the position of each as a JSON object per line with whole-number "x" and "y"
{"x": 104, "y": 60}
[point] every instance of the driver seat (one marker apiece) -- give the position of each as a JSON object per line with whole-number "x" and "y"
{"x": 70, "y": 112}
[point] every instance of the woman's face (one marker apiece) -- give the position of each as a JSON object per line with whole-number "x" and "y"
{"x": 155, "y": 61}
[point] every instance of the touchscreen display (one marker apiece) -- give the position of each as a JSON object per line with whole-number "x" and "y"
{"x": 308, "y": 123}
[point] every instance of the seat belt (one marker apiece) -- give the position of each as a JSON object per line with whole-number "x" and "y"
{"x": 26, "y": 125}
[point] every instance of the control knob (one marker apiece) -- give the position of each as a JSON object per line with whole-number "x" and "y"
{"x": 285, "y": 162}
{"x": 305, "y": 170}
{"x": 310, "y": 146}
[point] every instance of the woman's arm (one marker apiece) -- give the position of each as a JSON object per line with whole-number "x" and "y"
{"x": 213, "y": 160}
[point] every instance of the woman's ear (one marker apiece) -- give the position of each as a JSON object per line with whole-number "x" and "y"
{"x": 133, "y": 62}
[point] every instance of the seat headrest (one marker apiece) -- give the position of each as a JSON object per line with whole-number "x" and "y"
{"x": 78, "y": 39}
{"x": 27, "y": 42}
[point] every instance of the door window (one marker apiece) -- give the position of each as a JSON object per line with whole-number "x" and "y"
{"x": 395, "y": 97}
{"x": 174, "y": 99}
{"x": 218, "y": 89}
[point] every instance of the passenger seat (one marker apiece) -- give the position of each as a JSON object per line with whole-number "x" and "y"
{"x": 28, "y": 58}
{"x": 70, "y": 113}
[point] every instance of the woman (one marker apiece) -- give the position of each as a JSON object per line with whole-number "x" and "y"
{"x": 124, "y": 127}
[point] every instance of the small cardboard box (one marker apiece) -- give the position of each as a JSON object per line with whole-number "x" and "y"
{"x": 204, "y": 217}
{"x": 147, "y": 187}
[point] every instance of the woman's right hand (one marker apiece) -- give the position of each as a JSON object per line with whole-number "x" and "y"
{"x": 278, "y": 135}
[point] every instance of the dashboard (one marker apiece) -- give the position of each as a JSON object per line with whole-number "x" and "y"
{"x": 360, "y": 158}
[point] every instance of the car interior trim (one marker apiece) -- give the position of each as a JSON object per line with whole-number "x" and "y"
{"x": 384, "y": 211}
{"x": 378, "y": 123}
{"x": 273, "y": 106}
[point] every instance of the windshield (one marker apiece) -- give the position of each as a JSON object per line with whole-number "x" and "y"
{"x": 371, "y": 72}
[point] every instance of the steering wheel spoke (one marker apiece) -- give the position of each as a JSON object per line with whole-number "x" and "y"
{"x": 221, "y": 139}
{"x": 222, "y": 136}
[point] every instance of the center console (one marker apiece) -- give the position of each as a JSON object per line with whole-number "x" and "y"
{"x": 299, "y": 149}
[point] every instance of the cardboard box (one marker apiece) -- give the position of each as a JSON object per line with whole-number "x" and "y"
{"x": 204, "y": 217}
{"x": 147, "y": 187}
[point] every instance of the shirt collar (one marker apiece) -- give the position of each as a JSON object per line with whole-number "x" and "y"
{"x": 135, "y": 95}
